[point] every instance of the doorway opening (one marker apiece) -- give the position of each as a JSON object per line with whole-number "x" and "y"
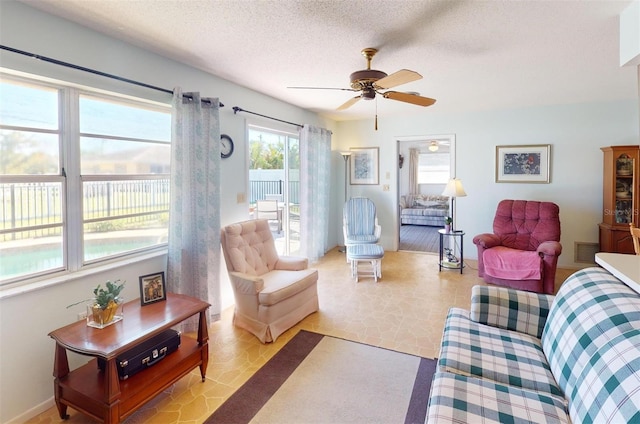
{"x": 425, "y": 165}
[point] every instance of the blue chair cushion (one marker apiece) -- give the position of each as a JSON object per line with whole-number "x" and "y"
{"x": 365, "y": 251}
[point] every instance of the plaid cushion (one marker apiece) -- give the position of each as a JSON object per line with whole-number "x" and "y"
{"x": 608, "y": 390}
{"x": 517, "y": 310}
{"x": 591, "y": 309}
{"x": 504, "y": 356}
{"x": 460, "y": 399}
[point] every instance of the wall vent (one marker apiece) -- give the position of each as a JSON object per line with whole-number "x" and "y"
{"x": 585, "y": 252}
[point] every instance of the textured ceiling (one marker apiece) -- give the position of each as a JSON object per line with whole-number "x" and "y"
{"x": 474, "y": 55}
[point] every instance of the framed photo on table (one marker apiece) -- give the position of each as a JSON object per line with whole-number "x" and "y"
{"x": 365, "y": 164}
{"x": 152, "y": 288}
{"x": 523, "y": 164}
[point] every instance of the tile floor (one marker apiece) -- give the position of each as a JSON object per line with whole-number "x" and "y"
{"x": 404, "y": 311}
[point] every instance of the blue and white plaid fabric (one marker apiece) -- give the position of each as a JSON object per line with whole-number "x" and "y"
{"x": 360, "y": 221}
{"x": 503, "y": 356}
{"x": 609, "y": 391}
{"x": 594, "y": 318}
{"x": 516, "y": 310}
{"x": 460, "y": 399}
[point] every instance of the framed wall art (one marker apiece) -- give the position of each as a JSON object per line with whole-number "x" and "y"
{"x": 364, "y": 165}
{"x": 152, "y": 288}
{"x": 523, "y": 164}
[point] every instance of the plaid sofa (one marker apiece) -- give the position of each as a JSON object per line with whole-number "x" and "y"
{"x": 525, "y": 357}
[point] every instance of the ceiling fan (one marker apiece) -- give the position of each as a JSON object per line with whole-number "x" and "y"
{"x": 370, "y": 82}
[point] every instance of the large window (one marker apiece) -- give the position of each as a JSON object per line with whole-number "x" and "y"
{"x": 84, "y": 177}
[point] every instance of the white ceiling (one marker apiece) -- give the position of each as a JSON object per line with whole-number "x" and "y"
{"x": 474, "y": 55}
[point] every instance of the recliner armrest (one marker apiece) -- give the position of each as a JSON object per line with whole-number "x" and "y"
{"x": 487, "y": 240}
{"x": 291, "y": 263}
{"x": 246, "y": 283}
{"x": 550, "y": 248}
{"x": 518, "y": 310}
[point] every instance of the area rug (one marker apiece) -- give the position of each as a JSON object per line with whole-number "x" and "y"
{"x": 420, "y": 238}
{"x": 321, "y": 379}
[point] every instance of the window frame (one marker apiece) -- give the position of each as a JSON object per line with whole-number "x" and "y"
{"x": 72, "y": 180}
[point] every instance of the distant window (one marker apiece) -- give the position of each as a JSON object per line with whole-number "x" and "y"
{"x": 433, "y": 168}
{"x": 83, "y": 177}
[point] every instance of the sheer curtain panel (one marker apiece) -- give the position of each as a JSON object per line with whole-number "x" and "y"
{"x": 414, "y": 158}
{"x": 315, "y": 167}
{"x": 194, "y": 217}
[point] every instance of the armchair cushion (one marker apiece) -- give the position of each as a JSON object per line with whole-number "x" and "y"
{"x": 360, "y": 222}
{"x": 279, "y": 285}
{"x": 250, "y": 249}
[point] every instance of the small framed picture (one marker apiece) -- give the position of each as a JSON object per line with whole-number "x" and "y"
{"x": 364, "y": 165}
{"x": 152, "y": 288}
{"x": 523, "y": 164}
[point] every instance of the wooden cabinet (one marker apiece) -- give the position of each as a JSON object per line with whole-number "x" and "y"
{"x": 620, "y": 198}
{"x": 100, "y": 393}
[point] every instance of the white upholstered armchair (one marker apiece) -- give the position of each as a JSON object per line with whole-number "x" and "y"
{"x": 272, "y": 293}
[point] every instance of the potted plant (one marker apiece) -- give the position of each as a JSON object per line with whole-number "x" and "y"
{"x": 447, "y": 223}
{"x": 102, "y": 309}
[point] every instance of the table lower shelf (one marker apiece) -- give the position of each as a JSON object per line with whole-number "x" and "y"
{"x": 84, "y": 388}
{"x": 451, "y": 265}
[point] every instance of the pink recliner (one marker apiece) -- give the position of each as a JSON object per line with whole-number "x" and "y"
{"x": 523, "y": 250}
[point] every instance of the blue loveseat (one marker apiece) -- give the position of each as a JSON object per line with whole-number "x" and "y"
{"x": 518, "y": 356}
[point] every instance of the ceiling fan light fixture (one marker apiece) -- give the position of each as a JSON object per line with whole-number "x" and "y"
{"x": 433, "y": 146}
{"x": 365, "y": 77}
{"x": 368, "y": 93}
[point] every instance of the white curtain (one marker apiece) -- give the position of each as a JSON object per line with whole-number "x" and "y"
{"x": 414, "y": 158}
{"x": 315, "y": 167}
{"x": 194, "y": 217}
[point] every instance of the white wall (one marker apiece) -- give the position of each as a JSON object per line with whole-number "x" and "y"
{"x": 26, "y": 352}
{"x": 576, "y": 133}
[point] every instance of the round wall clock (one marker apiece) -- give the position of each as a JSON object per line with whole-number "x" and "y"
{"x": 226, "y": 146}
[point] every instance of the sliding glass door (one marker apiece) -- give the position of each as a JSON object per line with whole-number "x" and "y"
{"x": 274, "y": 184}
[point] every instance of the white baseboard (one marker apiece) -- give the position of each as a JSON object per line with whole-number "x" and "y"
{"x": 36, "y": 410}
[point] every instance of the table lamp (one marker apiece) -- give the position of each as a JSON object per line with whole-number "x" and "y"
{"x": 453, "y": 189}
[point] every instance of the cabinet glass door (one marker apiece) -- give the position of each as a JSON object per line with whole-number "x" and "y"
{"x": 624, "y": 189}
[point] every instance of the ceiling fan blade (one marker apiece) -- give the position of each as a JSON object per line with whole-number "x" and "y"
{"x": 349, "y": 103}
{"x": 323, "y": 88}
{"x": 403, "y": 76}
{"x": 408, "y": 98}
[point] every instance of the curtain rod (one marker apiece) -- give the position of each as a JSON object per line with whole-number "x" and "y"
{"x": 93, "y": 71}
{"x": 237, "y": 109}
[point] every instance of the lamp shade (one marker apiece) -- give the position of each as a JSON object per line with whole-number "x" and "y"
{"x": 454, "y": 188}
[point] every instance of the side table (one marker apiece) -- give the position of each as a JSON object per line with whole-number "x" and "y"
{"x": 449, "y": 260}
{"x": 100, "y": 394}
